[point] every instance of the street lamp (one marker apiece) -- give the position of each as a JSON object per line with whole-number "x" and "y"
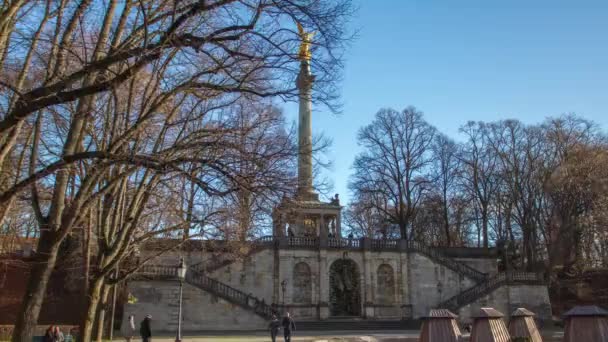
{"x": 181, "y": 275}
{"x": 284, "y": 288}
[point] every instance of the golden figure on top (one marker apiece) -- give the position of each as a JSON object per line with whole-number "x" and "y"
{"x": 306, "y": 38}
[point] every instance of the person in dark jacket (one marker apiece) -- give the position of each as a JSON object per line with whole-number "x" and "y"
{"x": 49, "y": 334}
{"x": 145, "y": 330}
{"x": 274, "y": 327}
{"x": 288, "y": 326}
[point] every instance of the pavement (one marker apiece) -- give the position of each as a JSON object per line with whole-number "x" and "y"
{"x": 307, "y": 336}
{"x": 320, "y": 336}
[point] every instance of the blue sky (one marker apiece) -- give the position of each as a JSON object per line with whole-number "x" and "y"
{"x": 468, "y": 60}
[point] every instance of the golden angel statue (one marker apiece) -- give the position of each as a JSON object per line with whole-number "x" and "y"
{"x": 306, "y": 40}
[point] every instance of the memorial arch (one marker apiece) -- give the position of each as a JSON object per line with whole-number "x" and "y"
{"x": 344, "y": 288}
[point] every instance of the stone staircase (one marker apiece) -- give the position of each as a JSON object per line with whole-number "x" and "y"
{"x": 210, "y": 285}
{"x": 255, "y": 246}
{"x": 484, "y": 288}
{"x": 265, "y": 242}
{"x": 483, "y": 283}
{"x": 336, "y": 324}
{"x": 457, "y": 266}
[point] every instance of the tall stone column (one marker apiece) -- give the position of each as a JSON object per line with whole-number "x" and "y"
{"x": 304, "y": 83}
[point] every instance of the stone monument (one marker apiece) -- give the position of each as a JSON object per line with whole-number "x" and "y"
{"x": 305, "y": 215}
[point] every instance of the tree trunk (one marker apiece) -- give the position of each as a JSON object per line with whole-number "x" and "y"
{"x": 94, "y": 297}
{"x": 484, "y": 223}
{"x": 446, "y": 225}
{"x": 102, "y": 312}
{"x": 42, "y": 268}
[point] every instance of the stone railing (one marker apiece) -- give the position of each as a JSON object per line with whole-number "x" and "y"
{"x": 158, "y": 271}
{"x": 256, "y": 245}
{"x": 303, "y": 242}
{"x": 385, "y": 245}
{"x": 378, "y": 245}
{"x": 344, "y": 243}
{"x": 434, "y": 254}
{"x": 492, "y": 283}
{"x": 265, "y": 240}
{"x": 198, "y": 279}
{"x": 229, "y": 293}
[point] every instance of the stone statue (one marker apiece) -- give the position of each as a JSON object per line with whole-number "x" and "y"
{"x": 306, "y": 39}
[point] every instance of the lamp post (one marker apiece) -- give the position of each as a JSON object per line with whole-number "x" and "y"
{"x": 181, "y": 275}
{"x": 284, "y": 288}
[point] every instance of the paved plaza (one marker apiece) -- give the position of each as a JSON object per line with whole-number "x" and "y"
{"x": 321, "y": 336}
{"x": 325, "y": 336}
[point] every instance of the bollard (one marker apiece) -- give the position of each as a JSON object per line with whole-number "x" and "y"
{"x": 586, "y": 323}
{"x": 522, "y": 326}
{"x": 440, "y": 326}
{"x": 488, "y": 326}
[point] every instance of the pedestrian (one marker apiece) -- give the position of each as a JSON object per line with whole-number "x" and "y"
{"x": 48, "y": 335}
{"x": 58, "y": 335}
{"x": 128, "y": 330}
{"x": 145, "y": 330}
{"x": 288, "y": 326}
{"x": 274, "y": 327}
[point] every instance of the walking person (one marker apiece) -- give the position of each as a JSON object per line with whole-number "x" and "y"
{"x": 145, "y": 329}
{"x": 128, "y": 330}
{"x": 288, "y": 326}
{"x": 274, "y": 327}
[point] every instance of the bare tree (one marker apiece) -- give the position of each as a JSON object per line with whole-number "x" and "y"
{"x": 66, "y": 97}
{"x": 446, "y": 173}
{"x": 575, "y": 150}
{"x": 260, "y": 130}
{"x": 479, "y": 175}
{"x": 364, "y": 219}
{"x": 395, "y": 163}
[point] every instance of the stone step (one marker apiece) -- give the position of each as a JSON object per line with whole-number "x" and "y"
{"x": 357, "y": 325}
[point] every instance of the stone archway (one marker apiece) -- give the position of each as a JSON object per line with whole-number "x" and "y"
{"x": 344, "y": 288}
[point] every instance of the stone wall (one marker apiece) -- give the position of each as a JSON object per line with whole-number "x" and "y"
{"x": 393, "y": 285}
{"x": 432, "y": 283}
{"x": 251, "y": 275}
{"x": 288, "y": 259}
{"x": 485, "y": 265}
{"x": 201, "y": 310}
{"x": 508, "y": 298}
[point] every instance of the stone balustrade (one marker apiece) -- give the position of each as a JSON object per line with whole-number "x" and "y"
{"x": 483, "y": 288}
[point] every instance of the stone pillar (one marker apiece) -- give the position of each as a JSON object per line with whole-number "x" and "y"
{"x": 323, "y": 231}
{"x": 366, "y": 281}
{"x": 338, "y": 225}
{"x": 304, "y": 84}
{"x": 319, "y": 224}
{"x": 276, "y": 271}
{"x": 323, "y": 286}
{"x": 403, "y": 282}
